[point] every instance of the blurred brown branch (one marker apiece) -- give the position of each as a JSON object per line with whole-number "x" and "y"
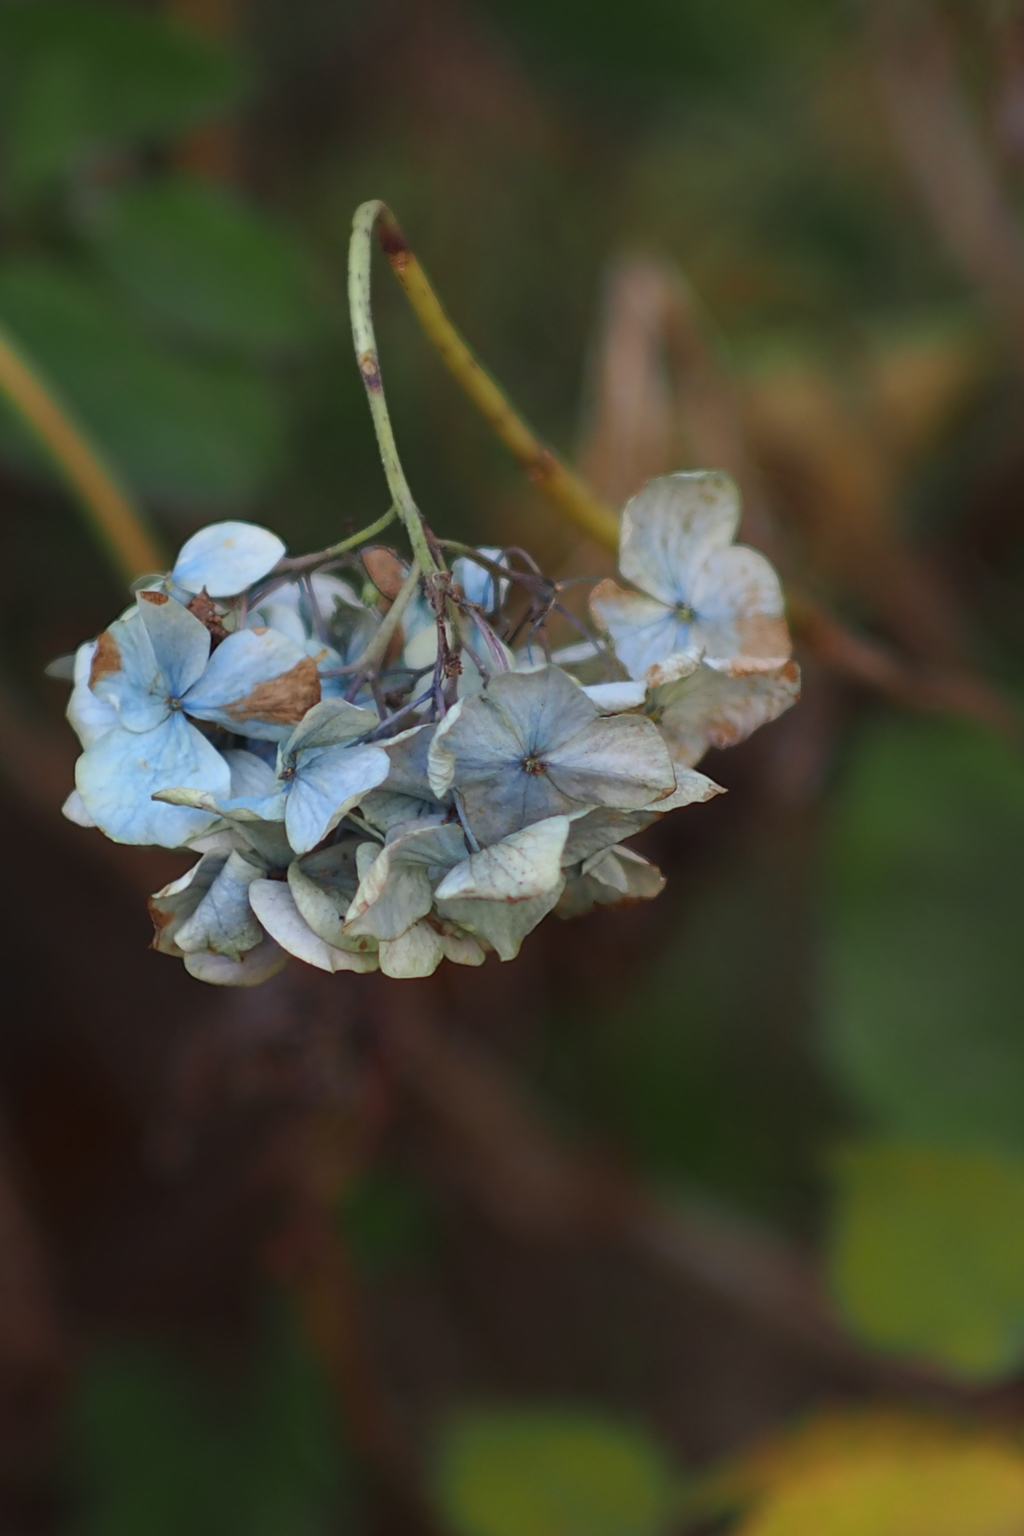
{"x": 522, "y": 1176}
{"x": 945, "y": 155}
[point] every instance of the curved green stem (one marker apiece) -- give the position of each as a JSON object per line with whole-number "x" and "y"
{"x": 570, "y": 495}
{"x": 364, "y": 338}
{"x": 300, "y": 563}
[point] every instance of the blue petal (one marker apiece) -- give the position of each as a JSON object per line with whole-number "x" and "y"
{"x": 478, "y": 583}
{"x": 250, "y": 775}
{"x": 330, "y": 723}
{"x": 89, "y": 716}
{"x": 181, "y": 643}
{"x": 124, "y": 672}
{"x": 329, "y": 784}
{"x": 118, "y": 775}
{"x": 226, "y": 558}
{"x": 258, "y": 683}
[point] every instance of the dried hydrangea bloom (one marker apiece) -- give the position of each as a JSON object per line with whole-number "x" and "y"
{"x": 532, "y": 746}
{"x": 696, "y": 588}
{"x": 225, "y": 559}
{"x": 450, "y": 839}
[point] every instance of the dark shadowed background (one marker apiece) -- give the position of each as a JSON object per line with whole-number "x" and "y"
{"x": 532, "y": 1250}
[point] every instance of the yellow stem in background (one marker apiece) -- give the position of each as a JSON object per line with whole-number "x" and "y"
{"x": 571, "y": 495}
{"x": 120, "y": 525}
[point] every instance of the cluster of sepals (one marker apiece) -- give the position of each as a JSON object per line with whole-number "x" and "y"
{"x": 367, "y": 791}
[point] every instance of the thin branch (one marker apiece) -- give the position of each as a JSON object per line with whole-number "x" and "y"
{"x": 120, "y": 526}
{"x": 526, "y": 1180}
{"x": 944, "y": 153}
{"x": 573, "y": 497}
{"x": 912, "y": 685}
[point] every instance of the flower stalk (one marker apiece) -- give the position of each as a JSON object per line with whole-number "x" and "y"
{"x": 565, "y": 490}
{"x": 367, "y": 356}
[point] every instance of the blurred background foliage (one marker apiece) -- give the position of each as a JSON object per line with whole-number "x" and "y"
{"x": 648, "y": 1233}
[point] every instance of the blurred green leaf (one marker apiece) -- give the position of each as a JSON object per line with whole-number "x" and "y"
{"x": 541, "y": 1472}
{"x": 200, "y": 258}
{"x": 670, "y": 45}
{"x": 388, "y": 1221}
{"x": 76, "y": 76}
{"x": 163, "y": 1453}
{"x": 207, "y": 434}
{"x": 928, "y": 1254}
{"x": 924, "y": 959}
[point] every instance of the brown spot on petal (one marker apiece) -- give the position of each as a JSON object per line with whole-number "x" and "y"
{"x": 105, "y": 659}
{"x": 385, "y": 570}
{"x": 205, "y": 610}
{"x": 281, "y": 700}
{"x": 161, "y": 921}
{"x": 763, "y": 635}
{"x": 156, "y": 598}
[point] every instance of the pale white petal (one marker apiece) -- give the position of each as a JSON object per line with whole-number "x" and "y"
{"x": 672, "y": 527}
{"x": 323, "y": 888}
{"x": 421, "y": 649}
{"x": 611, "y": 877}
{"x": 461, "y": 948}
{"x": 255, "y": 966}
{"x": 274, "y": 905}
{"x": 175, "y": 903}
{"x": 614, "y": 698}
{"x": 418, "y": 952}
{"x": 713, "y": 709}
{"x": 225, "y": 558}
{"x": 441, "y": 756}
{"x": 643, "y": 630}
{"x": 602, "y": 829}
{"x": 692, "y": 788}
{"x": 619, "y": 761}
{"x": 740, "y": 608}
{"x": 680, "y": 664}
{"x": 395, "y": 890}
{"x": 224, "y": 922}
{"x": 329, "y": 724}
{"x": 522, "y": 866}
{"x": 502, "y": 924}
